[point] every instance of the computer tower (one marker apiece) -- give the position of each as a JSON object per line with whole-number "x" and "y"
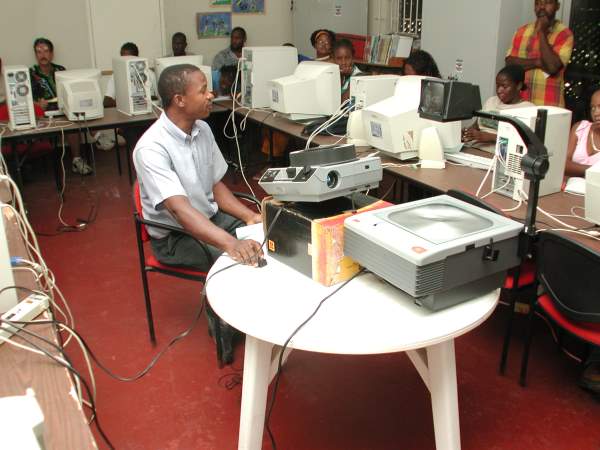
{"x": 261, "y": 65}
{"x": 509, "y": 178}
{"x": 132, "y": 85}
{"x": 19, "y": 98}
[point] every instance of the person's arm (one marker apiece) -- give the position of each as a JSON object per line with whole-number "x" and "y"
{"x": 194, "y": 222}
{"x": 231, "y": 205}
{"x": 573, "y": 169}
{"x": 526, "y": 63}
{"x": 473, "y": 133}
{"x": 550, "y": 61}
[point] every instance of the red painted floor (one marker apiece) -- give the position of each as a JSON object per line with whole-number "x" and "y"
{"x": 324, "y": 401}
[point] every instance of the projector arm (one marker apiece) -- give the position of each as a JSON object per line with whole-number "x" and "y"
{"x": 534, "y": 164}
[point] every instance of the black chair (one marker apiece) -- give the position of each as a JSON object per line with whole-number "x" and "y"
{"x": 569, "y": 274}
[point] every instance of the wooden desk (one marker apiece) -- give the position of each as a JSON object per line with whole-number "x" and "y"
{"x": 112, "y": 119}
{"x": 468, "y": 179}
{"x": 65, "y": 425}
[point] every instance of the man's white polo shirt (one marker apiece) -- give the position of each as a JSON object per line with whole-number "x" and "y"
{"x": 170, "y": 162}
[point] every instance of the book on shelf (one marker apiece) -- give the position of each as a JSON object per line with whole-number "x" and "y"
{"x": 384, "y": 48}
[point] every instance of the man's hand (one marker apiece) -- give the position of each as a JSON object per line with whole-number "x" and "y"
{"x": 245, "y": 251}
{"x": 255, "y": 218}
{"x": 542, "y": 24}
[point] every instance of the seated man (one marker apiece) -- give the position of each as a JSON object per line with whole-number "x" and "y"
{"x": 179, "y": 44}
{"x": 230, "y": 55}
{"x": 43, "y": 86}
{"x": 179, "y": 167}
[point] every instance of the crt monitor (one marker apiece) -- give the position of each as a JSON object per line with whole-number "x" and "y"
{"x": 79, "y": 94}
{"x": 394, "y": 126}
{"x": 447, "y": 100}
{"x": 314, "y": 90}
{"x": 161, "y": 64}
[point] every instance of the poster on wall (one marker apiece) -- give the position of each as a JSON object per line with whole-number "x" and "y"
{"x": 213, "y": 25}
{"x": 220, "y": 2}
{"x": 248, "y": 6}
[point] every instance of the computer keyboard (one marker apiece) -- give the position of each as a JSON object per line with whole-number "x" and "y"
{"x": 467, "y": 159}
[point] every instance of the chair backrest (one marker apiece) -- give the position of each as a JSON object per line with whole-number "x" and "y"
{"x": 137, "y": 201}
{"x": 570, "y": 273}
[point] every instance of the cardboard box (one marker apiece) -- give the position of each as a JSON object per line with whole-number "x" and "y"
{"x": 309, "y": 237}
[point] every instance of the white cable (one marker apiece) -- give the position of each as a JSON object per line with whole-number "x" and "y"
{"x": 344, "y": 108}
{"x": 568, "y": 230}
{"x": 487, "y": 173}
{"x": 508, "y": 180}
{"x": 235, "y": 134}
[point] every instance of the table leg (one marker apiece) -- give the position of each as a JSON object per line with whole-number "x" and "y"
{"x": 444, "y": 397}
{"x": 257, "y": 365}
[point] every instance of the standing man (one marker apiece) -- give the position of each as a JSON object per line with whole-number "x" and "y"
{"x": 230, "y": 55}
{"x": 543, "y": 48}
{"x": 180, "y": 169}
{"x": 43, "y": 86}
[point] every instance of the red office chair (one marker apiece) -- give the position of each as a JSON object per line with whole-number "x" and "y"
{"x": 569, "y": 273}
{"x": 520, "y": 282}
{"x": 149, "y": 263}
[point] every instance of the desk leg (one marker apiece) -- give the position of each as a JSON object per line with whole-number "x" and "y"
{"x": 257, "y": 365}
{"x": 444, "y": 397}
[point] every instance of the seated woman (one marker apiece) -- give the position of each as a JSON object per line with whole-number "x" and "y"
{"x": 322, "y": 41}
{"x": 583, "y": 149}
{"x": 421, "y": 63}
{"x": 227, "y": 80}
{"x": 343, "y": 54}
{"x": 510, "y": 81}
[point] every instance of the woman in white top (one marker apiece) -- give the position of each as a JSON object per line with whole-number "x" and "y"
{"x": 322, "y": 41}
{"x": 583, "y": 150}
{"x": 510, "y": 82}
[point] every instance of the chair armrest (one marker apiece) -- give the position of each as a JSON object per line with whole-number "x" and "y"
{"x": 151, "y": 223}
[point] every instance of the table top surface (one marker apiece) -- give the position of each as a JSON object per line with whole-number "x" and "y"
{"x": 367, "y": 316}
{"x": 112, "y": 119}
{"x": 65, "y": 425}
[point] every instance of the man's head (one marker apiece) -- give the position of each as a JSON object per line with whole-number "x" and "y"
{"x": 129, "y": 49}
{"x": 238, "y": 39}
{"x": 44, "y": 51}
{"x": 183, "y": 89}
{"x": 546, "y": 8}
{"x": 179, "y": 44}
{"x": 226, "y": 79}
{"x": 343, "y": 53}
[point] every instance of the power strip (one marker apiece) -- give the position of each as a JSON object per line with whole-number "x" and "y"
{"x": 24, "y": 311}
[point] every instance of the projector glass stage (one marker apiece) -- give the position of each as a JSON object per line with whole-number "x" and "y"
{"x": 438, "y": 222}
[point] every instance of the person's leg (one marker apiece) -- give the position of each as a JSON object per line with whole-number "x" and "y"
{"x": 590, "y": 378}
{"x": 182, "y": 250}
{"x": 78, "y": 165}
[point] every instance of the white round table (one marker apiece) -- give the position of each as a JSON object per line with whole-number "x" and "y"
{"x": 367, "y": 316}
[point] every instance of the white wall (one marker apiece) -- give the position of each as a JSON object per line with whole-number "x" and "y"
{"x": 272, "y": 28}
{"x": 26, "y": 20}
{"x": 65, "y": 23}
{"x": 478, "y": 32}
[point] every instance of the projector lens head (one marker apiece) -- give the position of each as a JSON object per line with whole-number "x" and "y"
{"x": 332, "y": 179}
